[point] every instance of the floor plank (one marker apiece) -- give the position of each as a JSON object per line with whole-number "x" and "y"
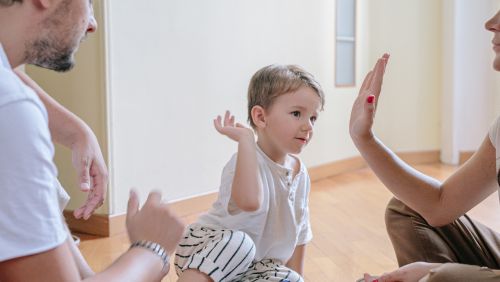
{"x": 347, "y": 217}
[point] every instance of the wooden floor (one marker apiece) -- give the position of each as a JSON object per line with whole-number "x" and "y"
{"x": 347, "y": 215}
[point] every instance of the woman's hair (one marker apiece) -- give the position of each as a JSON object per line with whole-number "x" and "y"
{"x": 272, "y": 81}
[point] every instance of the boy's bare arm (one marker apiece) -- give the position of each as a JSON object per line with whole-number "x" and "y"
{"x": 296, "y": 262}
{"x": 246, "y": 191}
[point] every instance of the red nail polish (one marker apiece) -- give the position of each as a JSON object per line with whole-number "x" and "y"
{"x": 376, "y": 280}
{"x": 370, "y": 99}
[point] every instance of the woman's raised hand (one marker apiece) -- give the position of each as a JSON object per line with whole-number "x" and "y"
{"x": 363, "y": 109}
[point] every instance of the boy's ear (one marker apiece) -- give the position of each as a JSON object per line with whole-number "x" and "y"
{"x": 258, "y": 115}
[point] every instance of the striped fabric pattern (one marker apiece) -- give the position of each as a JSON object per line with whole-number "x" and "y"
{"x": 227, "y": 256}
{"x": 222, "y": 254}
{"x": 269, "y": 270}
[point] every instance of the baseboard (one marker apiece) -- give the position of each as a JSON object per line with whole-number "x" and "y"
{"x": 421, "y": 157}
{"x": 194, "y": 205}
{"x": 464, "y": 156}
{"x": 97, "y": 224}
{"x": 110, "y": 225}
{"x": 337, "y": 167}
{"x": 106, "y": 225}
{"x": 347, "y": 165}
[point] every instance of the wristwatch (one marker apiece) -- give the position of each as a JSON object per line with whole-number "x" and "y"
{"x": 154, "y": 247}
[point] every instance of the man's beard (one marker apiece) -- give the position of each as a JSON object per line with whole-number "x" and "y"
{"x": 50, "y": 54}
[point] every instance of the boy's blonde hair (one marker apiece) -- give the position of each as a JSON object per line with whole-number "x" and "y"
{"x": 274, "y": 80}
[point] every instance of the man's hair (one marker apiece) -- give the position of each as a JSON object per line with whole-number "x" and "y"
{"x": 272, "y": 81}
{"x": 9, "y": 2}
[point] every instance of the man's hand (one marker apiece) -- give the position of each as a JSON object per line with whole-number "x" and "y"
{"x": 153, "y": 222}
{"x": 92, "y": 173}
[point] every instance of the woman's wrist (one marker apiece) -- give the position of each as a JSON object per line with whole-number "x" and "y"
{"x": 359, "y": 139}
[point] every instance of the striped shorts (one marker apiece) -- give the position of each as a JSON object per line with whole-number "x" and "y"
{"x": 227, "y": 255}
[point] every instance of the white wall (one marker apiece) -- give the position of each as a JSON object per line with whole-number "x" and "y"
{"x": 408, "y": 115}
{"x": 174, "y": 65}
{"x": 171, "y": 66}
{"x": 469, "y": 87}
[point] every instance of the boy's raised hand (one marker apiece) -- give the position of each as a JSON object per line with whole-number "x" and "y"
{"x": 234, "y": 131}
{"x": 363, "y": 109}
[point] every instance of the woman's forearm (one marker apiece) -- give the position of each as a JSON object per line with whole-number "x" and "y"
{"x": 419, "y": 191}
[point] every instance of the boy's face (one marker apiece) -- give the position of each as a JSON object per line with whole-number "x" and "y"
{"x": 290, "y": 120}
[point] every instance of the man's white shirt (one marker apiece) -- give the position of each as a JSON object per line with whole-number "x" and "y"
{"x": 31, "y": 197}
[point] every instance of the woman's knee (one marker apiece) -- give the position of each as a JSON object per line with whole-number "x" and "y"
{"x": 394, "y": 210}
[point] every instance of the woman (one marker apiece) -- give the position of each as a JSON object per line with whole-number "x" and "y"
{"x": 433, "y": 238}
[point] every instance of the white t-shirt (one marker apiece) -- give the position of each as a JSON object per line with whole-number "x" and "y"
{"x": 282, "y": 221}
{"x": 31, "y": 198}
{"x": 495, "y": 139}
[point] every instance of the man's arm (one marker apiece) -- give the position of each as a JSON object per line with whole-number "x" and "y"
{"x": 70, "y": 131}
{"x": 81, "y": 264}
{"x": 153, "y": 222}
{"x": 58, "y": 265}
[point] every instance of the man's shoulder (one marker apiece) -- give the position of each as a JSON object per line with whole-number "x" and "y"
{"x": 12, "y": 89}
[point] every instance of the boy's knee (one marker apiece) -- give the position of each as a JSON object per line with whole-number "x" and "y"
{"x": 240, "y": 237}
{"x": 240, "y": 241}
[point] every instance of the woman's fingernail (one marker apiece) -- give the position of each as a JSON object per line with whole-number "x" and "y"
{"x": 370, "y": 99}
{"x": 376, "y": 280}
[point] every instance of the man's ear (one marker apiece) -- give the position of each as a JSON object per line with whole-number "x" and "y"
{"x": 258, "y": 115}
{"x": 44, "y": 4}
